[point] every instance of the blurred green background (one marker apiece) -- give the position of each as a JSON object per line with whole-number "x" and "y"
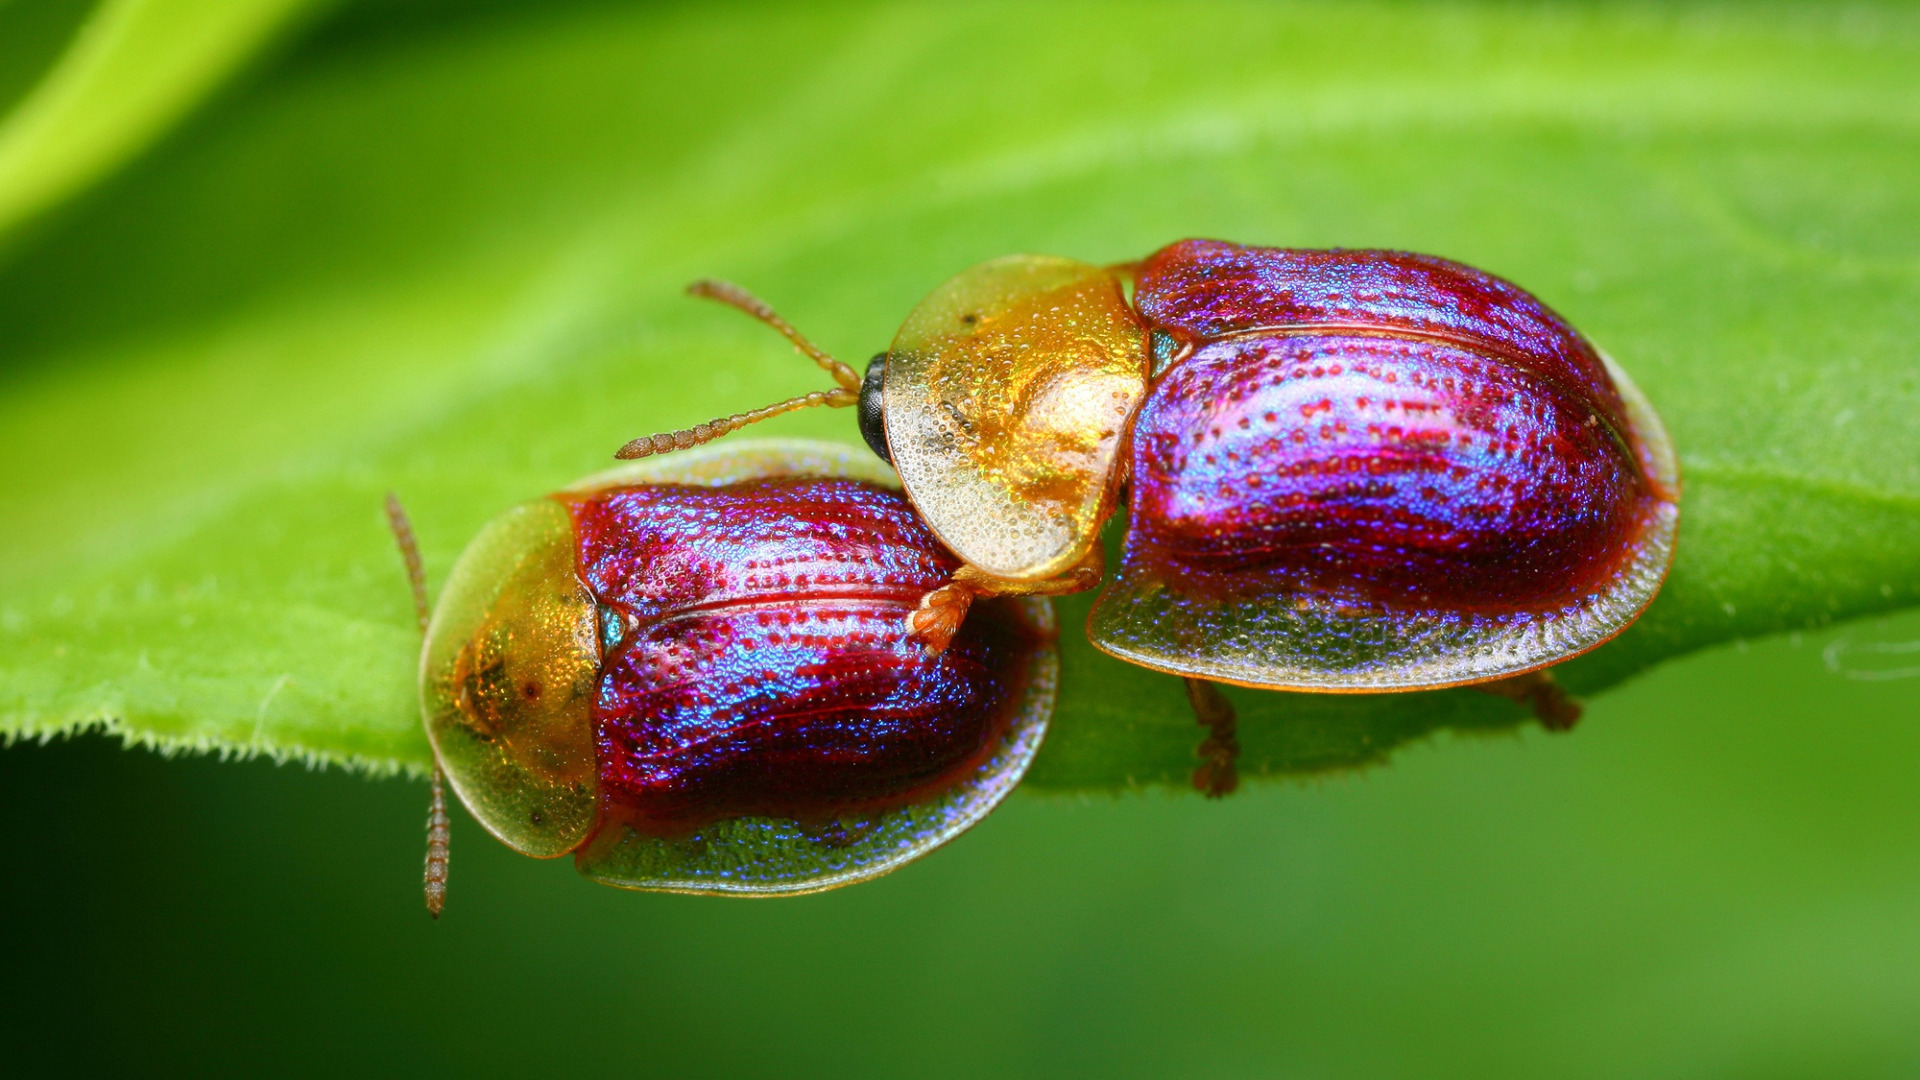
{"x": 262, "y": 260}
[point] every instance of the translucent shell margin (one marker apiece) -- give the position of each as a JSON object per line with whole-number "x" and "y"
{"x": 770, "y": 856}
{"x": 1007, "y": 399}
{"x": 508, "y": 676}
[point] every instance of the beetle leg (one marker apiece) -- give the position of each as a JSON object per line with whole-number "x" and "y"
{"x": 939, "y": 615}
{"x": 1556, "y": 709}
{"x": 943, "y": 610}
{"x": 1216, "y": 776}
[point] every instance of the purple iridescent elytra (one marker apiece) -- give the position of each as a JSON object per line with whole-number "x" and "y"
{"x": 1435, "y": 444}
{"x": 1207, "y": 290}
{"x": 758, "y": 663}
{"x": 1410, "y": 474}
{"x": 1371, "y": 469}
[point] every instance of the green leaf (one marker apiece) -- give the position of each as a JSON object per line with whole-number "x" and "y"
{"x": 445, "y": 259}
{"x": 132, "y": 68}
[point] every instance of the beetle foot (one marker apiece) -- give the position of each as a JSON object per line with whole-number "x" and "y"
{"x": 939, "y": 616}
{"x": 1217, "y": 775}
{"x": 1549, "y": 702}
{"x": 943, "y": 610}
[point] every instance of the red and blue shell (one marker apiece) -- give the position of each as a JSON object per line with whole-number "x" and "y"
{"x": 1369, "y": 470}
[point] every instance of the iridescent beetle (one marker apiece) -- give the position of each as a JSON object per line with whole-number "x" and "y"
{"x": 695, "y": 675}
{"x": 1344, "y": 471}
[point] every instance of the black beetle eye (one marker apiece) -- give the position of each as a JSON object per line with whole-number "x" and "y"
{"x": 873, "y": 413}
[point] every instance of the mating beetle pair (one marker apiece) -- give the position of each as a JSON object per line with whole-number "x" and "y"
{"x": 765, "y": 671}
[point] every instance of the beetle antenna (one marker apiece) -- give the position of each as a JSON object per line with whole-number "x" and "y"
{"x": 410, "y": 555}
{"x": 439, "y": 832}
{"x": 647, "y": 445}
{"x": 439, "y": 826}
{"x": 736, "y": 297}
{"x": 846, "y": 394}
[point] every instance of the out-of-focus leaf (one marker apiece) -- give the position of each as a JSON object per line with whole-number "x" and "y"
{"x": 132, "y": 69}
{"x": 448, "y": 263}
{"x": 32, "y": 36}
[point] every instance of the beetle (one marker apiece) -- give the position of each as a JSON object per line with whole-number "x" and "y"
{"x": 1342, "y": 471}
{"x": 695, "y": 675}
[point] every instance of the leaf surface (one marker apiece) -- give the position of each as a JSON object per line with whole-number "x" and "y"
{"x": 446, "y": 260}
